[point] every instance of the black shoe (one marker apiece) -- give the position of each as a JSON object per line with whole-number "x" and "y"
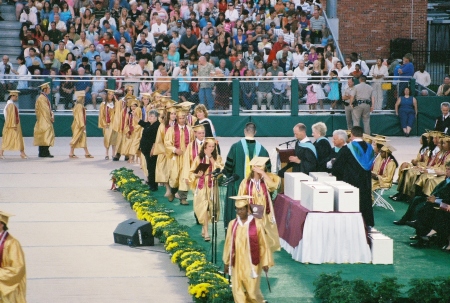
{"x": 394, "y": 197}
{"x": 420, "y": 244}
{"x": 115, "y": 159}
{"x": 415, "y": 237}
{"x": 126, "y": 159}
{"x": 400, "y": 222}
{"x": 412, "y": 224}
{"x": 153, "y": 189}
{"x": 50, "y": 156}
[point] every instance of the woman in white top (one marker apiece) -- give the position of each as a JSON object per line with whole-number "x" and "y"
{"x": 70, "y": 59}
{"x": 378, "y": 72}
{"x": 21, "y": 71}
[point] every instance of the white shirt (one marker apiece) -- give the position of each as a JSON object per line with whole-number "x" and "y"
{"x": 376, "y": 71}
{"x": 423, "y": 79}
{"x": 348, "y": 70}
{"x": 301, "y": 75}
{"x": 111, "y": 21}
{"x": 232, "y": 15}
{"x": 159, "y": 29}
{"x": 4, "y": 109}
{"x": 205, "y": 48}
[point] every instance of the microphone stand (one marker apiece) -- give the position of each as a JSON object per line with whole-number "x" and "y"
{"x": 288, "y": 143}
{"x": 215, "y": 201}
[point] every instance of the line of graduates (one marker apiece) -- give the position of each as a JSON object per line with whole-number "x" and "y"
{"x": 425, "y": 183}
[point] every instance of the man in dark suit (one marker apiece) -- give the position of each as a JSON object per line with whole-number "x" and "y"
{"x": 339, "y": 140}
{"x": 424, "y": 211}
{"x": 147, "y": 143}
{"x": 305, "y": 159}
{"x": 353, "y": 165}
{"x": 441, "y": 191}
{"x": 443, "y": 122}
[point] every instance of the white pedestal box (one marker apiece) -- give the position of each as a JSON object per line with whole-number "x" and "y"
{"x": 317, "y": 196}
{"x": 346, "y": 197}
{"x": 322, "y": 177}
{"x": 382, "y": 249}
{"x": 292, "y": 186}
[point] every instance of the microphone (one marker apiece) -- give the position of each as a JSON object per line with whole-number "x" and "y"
{"x": 231, "y": 179}
{"x": 287, "y": 142}
{"x": 215, "y": 172}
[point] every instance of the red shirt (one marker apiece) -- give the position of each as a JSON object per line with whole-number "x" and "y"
{"x": 112, "y": 42}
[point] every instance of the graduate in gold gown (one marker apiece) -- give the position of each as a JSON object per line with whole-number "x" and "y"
{"x": 79, "y": 127}
{"x": 246, "y": 253}
{"x": 258, "y": 185}
{"x": 132, "y": 131}
{"x": 409, "y": 188}
{"x": 12, "y": 138}
{"x": 186, "y": 107}
{"x": 44, "y": 134}
{"x": 176, "y": 141}
{"x": 384, "y": 168}
{"x": 204, "y": 185}
{"x": 433, "y": 180}
{"x": 13, "y": 280}
{"x": 163, "y": 165}
{"x": 106, "y": 121}
{"x": 420, "y": 160}
{"x": 194, "y": 147}
{"x": 120, "y": 114}
{"x": 438, "y": 169}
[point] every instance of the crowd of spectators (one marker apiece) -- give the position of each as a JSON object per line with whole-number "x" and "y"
{"x": 185, "y": 40}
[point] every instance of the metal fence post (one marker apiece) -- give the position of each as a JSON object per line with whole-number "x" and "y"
{"x": 50, "y": 96}
{"x": 294, "y": 97}
{"x": 174, "y": 86}
{"x": 111, "y": 84}
{"x": 235, "y": 98}
{"x": 412, "y": 86}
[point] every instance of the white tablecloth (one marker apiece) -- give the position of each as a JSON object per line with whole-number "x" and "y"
{"x": 331, "y": 238}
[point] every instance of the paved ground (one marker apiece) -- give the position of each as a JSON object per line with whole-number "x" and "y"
{"x": 65, "y": 217}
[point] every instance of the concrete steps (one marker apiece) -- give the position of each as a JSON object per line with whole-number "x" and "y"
{"x": 9, "y": 33}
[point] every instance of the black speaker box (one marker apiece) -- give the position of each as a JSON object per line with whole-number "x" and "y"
{"x": 133, "y": 232}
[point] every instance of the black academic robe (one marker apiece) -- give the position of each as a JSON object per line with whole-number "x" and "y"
{"x": 323, "y": 148}
{"x": 346, "y": 168}
{"x": 442, "y": 125}
{"x": 308, "y": 160}
{"x": 235, "y": 164}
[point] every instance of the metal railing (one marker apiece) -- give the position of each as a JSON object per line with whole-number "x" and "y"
{"x": 222, "y": 96}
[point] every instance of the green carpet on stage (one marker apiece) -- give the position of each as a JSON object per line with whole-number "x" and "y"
{"x": 291, "y": 280}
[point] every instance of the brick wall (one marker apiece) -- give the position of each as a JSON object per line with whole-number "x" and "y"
{"x": 366, "y": 27}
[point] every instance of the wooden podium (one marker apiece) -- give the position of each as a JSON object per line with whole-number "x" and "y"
{"x": 282, "y": 160}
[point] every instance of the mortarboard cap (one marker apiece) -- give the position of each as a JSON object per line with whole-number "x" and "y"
{"x": 14, "y": 92}
{"x": 259, "y": 161}
{"x": 4, "y": 217}
{"x": 45, "y": 85}
{"x": 198, "y": 127}
{"x": 388, "y": 148}
{"x": 241, "y": 201}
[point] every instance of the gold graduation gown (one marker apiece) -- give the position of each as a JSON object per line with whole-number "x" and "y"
{"x": 414, "y": 173}
{"x": 384, "y": 178}
{"x": 12, "y": 138}
{"x": 190, "y": 155}
{"x": 177, "y": 161}
{"x": 259, "y": 198}
{"x": 422, "y": 160}
{"x": 203, "y": 196}
{"x": 130, "y": 145}
{"x": 109, "y": 134}
{"x": 163, "y": 166}
{"x": 79, "y": 127}
{"x": 120, "y": 112}
{"x": 438, "y": 167}
{"x": 13, "y": 279}
{"x": 246, "y": 286}
{"x": 44, "y": 134}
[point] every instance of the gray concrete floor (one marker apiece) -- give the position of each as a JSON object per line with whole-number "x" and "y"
{"x": 65, "y": 216}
